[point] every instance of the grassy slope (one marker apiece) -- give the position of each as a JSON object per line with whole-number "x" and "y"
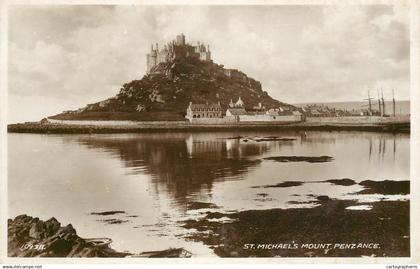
{"x": 166, "y": 93}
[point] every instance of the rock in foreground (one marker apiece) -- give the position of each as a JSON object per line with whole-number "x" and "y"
{"x": 32, "y": 237}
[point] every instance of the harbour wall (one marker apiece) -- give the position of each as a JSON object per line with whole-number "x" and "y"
{"x": 258, "y": 119}
{"x": 224, "y": 120}
{"x": 269, "y": 118}
{"x": 358, "y": 120}
{"x": 376, "y": 124}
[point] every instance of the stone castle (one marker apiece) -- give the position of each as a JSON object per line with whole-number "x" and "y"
{"x": 179, "y": 49}
{"x": 176, "y": 49}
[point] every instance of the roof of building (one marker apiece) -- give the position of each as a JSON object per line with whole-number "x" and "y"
{"x": 272, "y": 112}
{"x": 239, "y": 102}
{"x": 237, "y": 111}
{"x": 205, "y": 106}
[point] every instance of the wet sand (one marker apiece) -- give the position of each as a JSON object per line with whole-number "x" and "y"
{"x": 386, "y": 225}
{"x": 334, "y": 228}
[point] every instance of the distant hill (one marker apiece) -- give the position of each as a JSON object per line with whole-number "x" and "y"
{"x": 401, "y": 107}
{"x": 165, "y": 92}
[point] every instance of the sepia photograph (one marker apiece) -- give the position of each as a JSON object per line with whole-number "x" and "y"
{"x": 208, "y": 131}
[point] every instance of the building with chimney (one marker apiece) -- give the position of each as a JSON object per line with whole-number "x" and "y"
{"x": 236, "y": 113}
{"x": 204, "y": 111}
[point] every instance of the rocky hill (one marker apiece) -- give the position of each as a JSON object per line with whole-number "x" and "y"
{"x": 166, "y": 91}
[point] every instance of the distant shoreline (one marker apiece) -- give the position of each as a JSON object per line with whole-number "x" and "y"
{"x": 143, "y": 127}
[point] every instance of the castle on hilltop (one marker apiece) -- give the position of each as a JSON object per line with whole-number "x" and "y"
{"x": 176, "y": 49}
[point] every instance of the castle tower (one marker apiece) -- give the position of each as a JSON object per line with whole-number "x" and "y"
{"x": 171, "y": 52}
{"x": 180, "y": 39}
{"x": 151, "y": 59}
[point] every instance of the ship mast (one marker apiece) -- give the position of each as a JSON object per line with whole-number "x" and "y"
{"x": 370, "y": 104}
{"x": 393, "y": 103}
{"x": 383, "y": 103}
{"x": 379, "y": 105}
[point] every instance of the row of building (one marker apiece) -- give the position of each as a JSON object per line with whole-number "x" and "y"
{"x": 236, "y": 112}
{"x": 321, "y": 110}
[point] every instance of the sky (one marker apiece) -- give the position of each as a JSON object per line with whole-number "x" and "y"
{"x": 63, "y": 57}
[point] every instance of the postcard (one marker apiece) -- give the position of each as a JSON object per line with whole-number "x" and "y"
{"x": 275, "y": 131}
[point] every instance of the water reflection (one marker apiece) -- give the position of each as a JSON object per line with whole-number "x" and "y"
{"x": 381, "y": 145}
{"x": 156, "y": 176}
{"x": 188, "y": 164}
{"x": 181, "y": 164}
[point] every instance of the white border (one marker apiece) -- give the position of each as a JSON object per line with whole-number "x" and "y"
{"x": 415, "y": 133}
{"x": 3, "y": 127}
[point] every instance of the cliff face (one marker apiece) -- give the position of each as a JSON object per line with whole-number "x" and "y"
{"x": 166, "y": 91}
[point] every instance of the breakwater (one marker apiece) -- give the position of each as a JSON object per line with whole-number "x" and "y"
{"x": 377, "y": 124}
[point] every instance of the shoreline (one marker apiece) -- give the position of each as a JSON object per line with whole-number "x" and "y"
{"x": 383, "y": 230}
{"x": 332, "y": 228}
{"x": 144, "y": 127}
{"x": 31, "y": 237}
{"x": 306, "y": 232}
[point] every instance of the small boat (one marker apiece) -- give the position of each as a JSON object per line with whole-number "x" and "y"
{"x": 99, "y": 242}
{"x": 167, "y": 253}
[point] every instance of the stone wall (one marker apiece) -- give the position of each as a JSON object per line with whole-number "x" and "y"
{"x": 162, "y": 57}
{"x": 359, "y": 119}
{"x": 227, "y": 119}
{"x": 205, "y": 56}
{"x": 224, "y": 120}
{"x": 268, "y": 118}
{"x": 151, "y": 62}
{"x": 94, "y": 122}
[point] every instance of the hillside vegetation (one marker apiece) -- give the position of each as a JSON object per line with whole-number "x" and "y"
{"x": 165, "y": 93}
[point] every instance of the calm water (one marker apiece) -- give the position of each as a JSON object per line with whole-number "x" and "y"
{"x": 154, "y": 177}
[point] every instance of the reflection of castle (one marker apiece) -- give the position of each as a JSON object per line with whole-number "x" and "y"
{"x": 180, "y": 163}
{"x": 177, "y": 49}
{"x": 205, "y": 145}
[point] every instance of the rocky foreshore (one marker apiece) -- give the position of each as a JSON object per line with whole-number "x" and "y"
{"x": 328, "y": 230}
{"x": 333, "y": 228}
{"x": 32, "y": 237}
